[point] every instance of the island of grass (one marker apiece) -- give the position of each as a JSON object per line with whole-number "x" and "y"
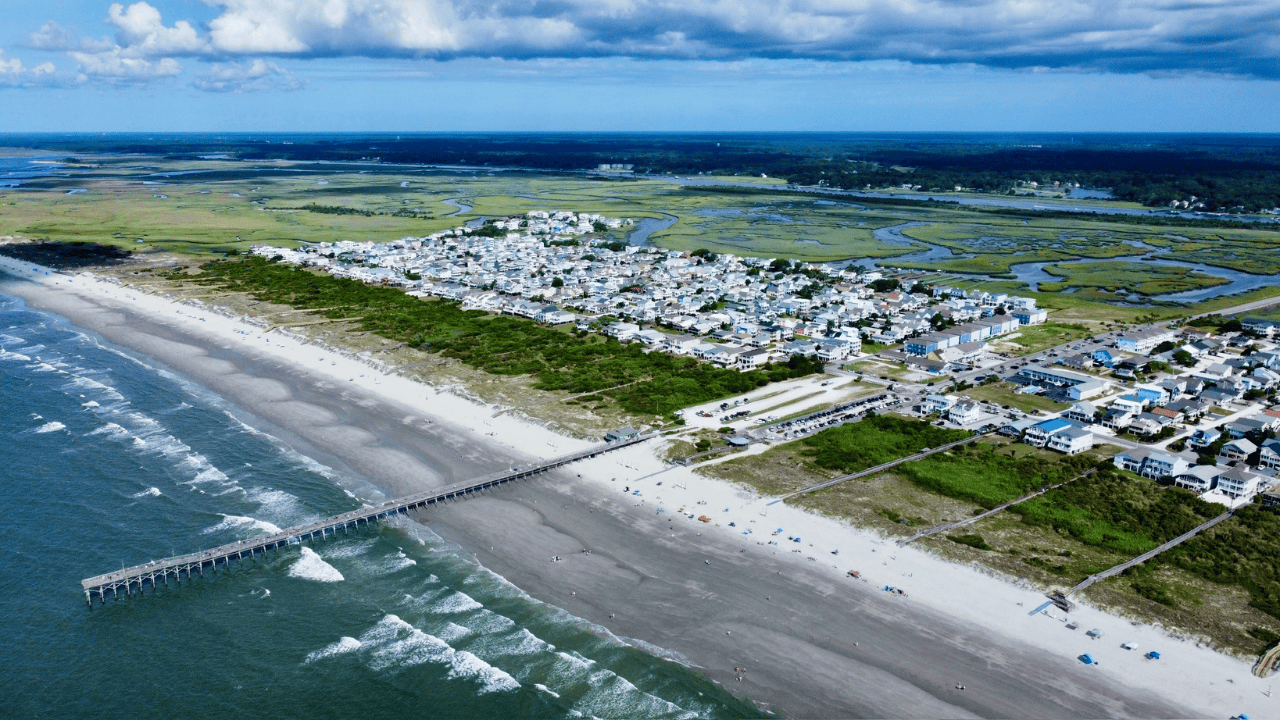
{"x": 1135, "y": 277}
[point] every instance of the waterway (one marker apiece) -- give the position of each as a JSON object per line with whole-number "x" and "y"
{"x": 462, "y": 207}
{"x": 645, "y": 227}
{"x": 1033, "y": 273}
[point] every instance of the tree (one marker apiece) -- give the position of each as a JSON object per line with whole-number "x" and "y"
{"x": 557, "y": 283}
{"x": 1184, "y": 358}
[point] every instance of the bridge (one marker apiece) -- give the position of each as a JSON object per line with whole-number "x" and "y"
{"x": 127, "y": 580}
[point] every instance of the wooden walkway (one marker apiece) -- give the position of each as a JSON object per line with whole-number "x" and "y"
{"x": 879, "y": 468}
{"x": 159, "y": 572}
{"x": 960, "y": 523}
{"x": 1111, "y": 572}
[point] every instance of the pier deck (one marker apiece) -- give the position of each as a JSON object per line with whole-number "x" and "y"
{"x": 159, "y": 572}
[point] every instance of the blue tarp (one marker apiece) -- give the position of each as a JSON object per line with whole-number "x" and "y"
{"x": 1087, "y": 659}
{"x": 1153, "y": 655}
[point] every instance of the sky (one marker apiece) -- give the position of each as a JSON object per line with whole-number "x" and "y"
{"x": 640, "y": 65}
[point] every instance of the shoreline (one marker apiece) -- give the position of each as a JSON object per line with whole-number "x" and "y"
{"x": 703, "y": 591}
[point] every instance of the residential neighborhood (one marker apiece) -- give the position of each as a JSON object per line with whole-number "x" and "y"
{"x": 737, "y": 312}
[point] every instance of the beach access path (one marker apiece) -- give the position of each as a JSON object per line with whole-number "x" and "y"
{"x": 815, "y": 645}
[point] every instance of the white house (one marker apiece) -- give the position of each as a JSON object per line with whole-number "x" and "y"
{"x": 1071, "y": 441}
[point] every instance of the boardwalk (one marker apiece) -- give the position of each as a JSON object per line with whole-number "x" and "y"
{"x": 1149, "y": 554}
{"x": 960, "y": 523}
{"x": 159, "y": 572}
{"x": 877, "y": 469}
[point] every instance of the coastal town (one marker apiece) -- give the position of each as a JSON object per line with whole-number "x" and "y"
{"x": 1180, "y": 405}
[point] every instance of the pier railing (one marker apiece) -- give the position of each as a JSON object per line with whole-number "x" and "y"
{"x": 127, "y": 580}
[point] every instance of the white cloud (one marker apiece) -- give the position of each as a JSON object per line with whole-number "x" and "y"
{"x": 1151, "y": 36}
{"x": 256, "y": 76}
{"x": 116, "y": 66}
{"x": 141, "y": 33}
{"x": 52, "y": 36}
{"x": 14, "y": 72}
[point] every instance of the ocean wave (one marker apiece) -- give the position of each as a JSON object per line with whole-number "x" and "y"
{"x": 575, "y": 659}
{"x": 400, "y": 644}
{"x": 239, "y": 521}
{"x": 613, "y": 695}
{"x": 50, "y": 427}
{"x": 312, "y": 567}
{"x": 546, "y": 690}
{"x": 6, "y": 355}
{"x": 456, "y": 603}
{"x": 149, "y": 492}
{"x": 453, "y": 631}
{"x": 487, "y": 622}
{"x": 279, "y": 505}
{"x": 90, "y": 404}
{"x": 345, "y": 645}
{"x": 112, "y": 429}
{"x": 351, "y": 549}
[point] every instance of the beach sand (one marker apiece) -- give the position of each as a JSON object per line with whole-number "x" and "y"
{"x": 814, "y": 643}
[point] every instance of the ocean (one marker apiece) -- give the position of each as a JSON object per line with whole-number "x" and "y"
{"x": 111, "y": 460}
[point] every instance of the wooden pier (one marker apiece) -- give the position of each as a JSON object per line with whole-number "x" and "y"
{"x": 160, "y": 572}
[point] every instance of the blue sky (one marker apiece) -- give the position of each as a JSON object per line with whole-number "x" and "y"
{"x": 444, "y": 65}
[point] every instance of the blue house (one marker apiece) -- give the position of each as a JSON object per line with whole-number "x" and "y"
{"x": 1104, "y": 357}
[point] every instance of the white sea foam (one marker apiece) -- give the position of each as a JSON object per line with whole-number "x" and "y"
{"x": 453, "y": 631}
{"x": 351, "y": 549}
{"x": 6, "y": 355}
{"x": 241, "y": 522}
{"x": 51, "y": 427}
{"x": 345, "y": 645}
{"x": 456, "y": 603}
{"x": 487, "y": 622}
{"x": 546, "y": 690}
{"x": 90, "y": 404}
{"x": 400, "y": 644}
{"x": 575, "y": 659}
{"x": 312, "y": 567}
{"x": 149, "y": 492}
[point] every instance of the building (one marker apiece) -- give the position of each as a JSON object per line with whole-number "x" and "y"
{"x": 622, "y": 433}
{"x": 964, "y": 412}
{"x": 1071, "y": 441}
{"x": 1083, "y": 411}
{"x": 937, "y": 403}
{"x": 1038, "y": 435}
{"x": 1269, "y": 455}
{"x": 1204, "y": 437}
{"x": 1150, "y": 463}
{"x": 1143, "y": 342}
{"x": 1198, "y": 478}
{"x": 1238, "y": 450}
{"x": 1238, "y": 483}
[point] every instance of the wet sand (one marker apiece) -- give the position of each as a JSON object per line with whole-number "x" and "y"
{"x": 648, "y": 577}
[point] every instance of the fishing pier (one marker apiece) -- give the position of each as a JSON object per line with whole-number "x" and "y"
{"x": 159, "y": 572}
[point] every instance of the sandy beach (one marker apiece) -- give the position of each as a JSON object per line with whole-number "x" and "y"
{"x": 813, "y": 642}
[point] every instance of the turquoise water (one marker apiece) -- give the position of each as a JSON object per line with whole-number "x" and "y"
{"x": 112, "y": 461}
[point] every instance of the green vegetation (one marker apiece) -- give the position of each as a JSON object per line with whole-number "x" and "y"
{"x": 1034, "y": 338}
{"x": 1141, "y": 278}
{"x": 650, "y": 383}
{"x": 1244, "y": 550}
{"x": 1002, "y": 393}
{"x": 973, "y": 541}
{"x": 979, "y": 474}
{"x": 876, "y": 440}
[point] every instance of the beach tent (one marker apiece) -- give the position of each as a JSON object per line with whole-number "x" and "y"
{"x": 1087, "y": 659}
{"x": 1153, "y": 655}
{"x": 1094, "y": 633}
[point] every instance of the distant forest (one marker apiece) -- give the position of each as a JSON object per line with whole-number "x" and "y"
{"x": 1225, "y": 173}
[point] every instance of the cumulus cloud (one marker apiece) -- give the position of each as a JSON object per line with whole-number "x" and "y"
{"x": 52, "y": 36}
{"x": 14, "y": 72}
{"x": 118, "y": 67}
{"x": 141, "y": 32}
{"x": 256, "y": 76}
{"x": 1239, "y": 37}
